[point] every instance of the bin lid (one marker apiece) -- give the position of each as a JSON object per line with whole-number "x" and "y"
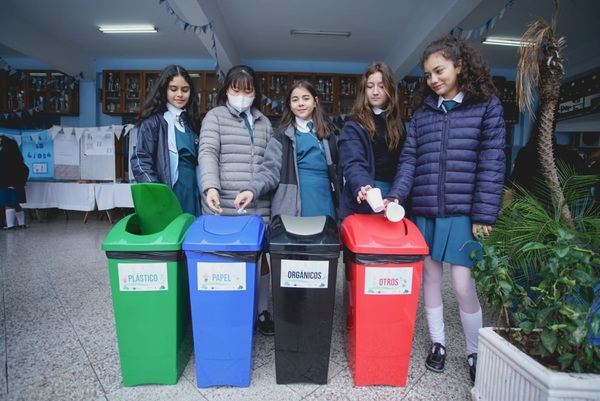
{"x": 155, "y": 205}
{"x": 318, "y": 234}
{"x": 374, "y": 234}
{"x": 226, "y": 233}
{"x": 126, "y": 235}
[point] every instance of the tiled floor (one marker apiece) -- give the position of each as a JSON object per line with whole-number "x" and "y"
{"x": 58, "y": 342}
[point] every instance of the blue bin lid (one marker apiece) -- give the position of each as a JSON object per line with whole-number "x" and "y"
{"x": 226, "y": 233}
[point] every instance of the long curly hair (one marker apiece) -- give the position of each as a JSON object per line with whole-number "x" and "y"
{"x": 362, "y": 113}
{"x": 474, "y": 79}
{"x": 323, "y": 126}
{"x": 156, "y": 102}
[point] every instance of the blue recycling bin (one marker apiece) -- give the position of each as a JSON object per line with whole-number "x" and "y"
{"x": 223, "y": 254}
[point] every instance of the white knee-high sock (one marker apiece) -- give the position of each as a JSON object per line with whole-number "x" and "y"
{"x": 263, "y": 293}
{"x": 20, "y": 217}
{"x": 435, "y": 321}
{"x": 471, "y": 323}
{"x": 10, "y": 217}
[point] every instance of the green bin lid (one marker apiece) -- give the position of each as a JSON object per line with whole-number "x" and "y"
{"x": 126, "y": 235}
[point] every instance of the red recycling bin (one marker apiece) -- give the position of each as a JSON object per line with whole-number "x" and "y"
{"x": 384, "y": 264}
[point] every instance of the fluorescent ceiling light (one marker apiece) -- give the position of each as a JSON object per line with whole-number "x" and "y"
{"x": 506, "y": 42}
{"x": 319, "y": 33}
{"x": 128, "y": 29}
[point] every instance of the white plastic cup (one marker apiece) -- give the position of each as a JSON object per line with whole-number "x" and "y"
{"x": 375, "y": 200}
{"x": 394, "y": 212}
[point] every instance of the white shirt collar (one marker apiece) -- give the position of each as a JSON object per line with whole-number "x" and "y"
{"x": 176, "y": 111}
{"x": 458, "y": 98}
{"x": 301, "y": 124}
{"x": 377, "y": 110}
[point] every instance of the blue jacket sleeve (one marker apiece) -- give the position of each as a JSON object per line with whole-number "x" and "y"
{"x": 143, "y": 159}
{"x": 491, "y": 166}
{"x": 353, "y": 147}
{"x": 405, "y": 173}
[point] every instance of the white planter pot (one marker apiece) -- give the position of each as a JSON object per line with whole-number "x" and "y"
{"x": 504, "y": 373}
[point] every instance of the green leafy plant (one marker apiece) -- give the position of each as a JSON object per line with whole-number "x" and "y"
{"x": 540, "y": 273}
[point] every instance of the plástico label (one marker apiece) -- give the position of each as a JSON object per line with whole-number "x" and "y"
{"x": 216, "y": 276}
{"x": 143, "y": 276}
{"x": 304, "y": 273}
{"x": 388, "y": 280}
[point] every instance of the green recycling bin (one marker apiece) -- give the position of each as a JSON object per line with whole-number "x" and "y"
{"x": 149, "y": 284}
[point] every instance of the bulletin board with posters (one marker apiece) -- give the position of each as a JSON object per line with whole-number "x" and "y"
{"x": 38, "y": 153}
{"x": 97, "y": 159}
{"x": 66, "y": 156}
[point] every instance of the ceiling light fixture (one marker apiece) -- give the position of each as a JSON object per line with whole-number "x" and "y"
{"x": 128, "y": 29}
{"x": 507, "y": 42}
{"x": 319, "y": 33}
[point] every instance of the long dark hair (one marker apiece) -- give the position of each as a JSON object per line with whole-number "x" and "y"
{"x": 156, "y": 102}
{"x": 362, "y": 112}
{"x": 243, "y": 77}
{"x": 474, "y": 78}
{"x": 321, "y": 123}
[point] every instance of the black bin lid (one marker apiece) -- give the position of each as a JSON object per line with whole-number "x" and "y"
{"x": 316, "y": 236}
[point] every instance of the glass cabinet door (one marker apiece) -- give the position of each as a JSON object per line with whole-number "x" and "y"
{"x": 278, "y": 87}
{"x": 325, "y": 86}
{"x": 211, "y": 90}
{"x": 132, "y": 92}
{"x": 346, "y": 93}
{"x": 37, "y": 91}
{"x": 112, "y": 92}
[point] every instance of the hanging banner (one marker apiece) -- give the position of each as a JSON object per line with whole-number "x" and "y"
{"x": 38, "y": 152}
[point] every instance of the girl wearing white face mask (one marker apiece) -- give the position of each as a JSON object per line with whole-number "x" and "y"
{"x": 233, "y": 139}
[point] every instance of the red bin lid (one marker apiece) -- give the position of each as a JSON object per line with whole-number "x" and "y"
{"x": 374, "y": 234}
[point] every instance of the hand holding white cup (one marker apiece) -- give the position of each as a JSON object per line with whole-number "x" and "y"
{"x": 375, "y": 200}
{"x": 394, "y": 212}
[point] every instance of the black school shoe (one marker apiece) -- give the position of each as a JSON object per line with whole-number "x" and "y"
{"x": 472, "y": 362}
{"x": 265, "y": 324}
{"x": 435, "y": 360}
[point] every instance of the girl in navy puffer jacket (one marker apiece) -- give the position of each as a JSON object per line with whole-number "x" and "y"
{"x": 453, "y": 165}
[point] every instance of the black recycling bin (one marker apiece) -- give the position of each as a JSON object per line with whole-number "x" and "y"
{"x": 304, "y": 258}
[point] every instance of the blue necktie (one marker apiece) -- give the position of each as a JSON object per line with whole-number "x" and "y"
{"x": 245, "y": 117}
{"x": 310, "y": 126}
{"x": 449, "y": 104}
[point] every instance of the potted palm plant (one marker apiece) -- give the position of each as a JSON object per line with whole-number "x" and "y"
{"x": 541, "y": 264}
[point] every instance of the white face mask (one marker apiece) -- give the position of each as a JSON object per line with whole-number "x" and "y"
{"x": 240, "y": 102}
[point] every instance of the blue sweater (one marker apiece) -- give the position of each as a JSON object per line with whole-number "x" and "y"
{"x": 453, "y": 164}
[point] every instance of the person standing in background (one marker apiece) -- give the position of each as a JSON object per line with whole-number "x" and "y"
{"x": 167, "y": 142}
{"x": 452, "y": 166}
{"x": 300, "y": 163}
{"x": 13, "y": 176}
{"x": 370, "y": 143}
{"x": 233, "y": 141}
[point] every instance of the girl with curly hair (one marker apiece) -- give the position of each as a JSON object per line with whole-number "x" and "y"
{"x": 452, "y": 166}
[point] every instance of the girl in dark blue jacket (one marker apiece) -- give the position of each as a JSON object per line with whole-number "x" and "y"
{"x": 370, "y": 142}
{"x": 452, "y": 165}
{"x": 167, "y": 141}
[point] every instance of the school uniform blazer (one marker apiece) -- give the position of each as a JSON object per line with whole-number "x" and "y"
{"x": 454, "y": 162}
{"x": 150, "y": 162}
{"x": 357, "y": 162}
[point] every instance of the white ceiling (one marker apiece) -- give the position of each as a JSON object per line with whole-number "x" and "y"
{"x": 63, "y": 34}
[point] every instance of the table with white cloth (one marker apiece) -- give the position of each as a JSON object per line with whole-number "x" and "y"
{"x": 84, "y": 197}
